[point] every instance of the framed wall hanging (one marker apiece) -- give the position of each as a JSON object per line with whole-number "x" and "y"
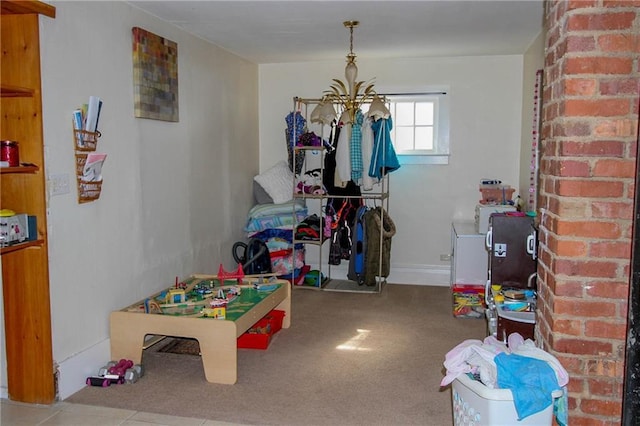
{"x": 155, "y": 76}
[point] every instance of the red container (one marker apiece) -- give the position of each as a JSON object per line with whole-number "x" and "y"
{"x": 259, "y": 335}
{"x": 497, "y": 195}
{"x": 468, "y": 300}
{"x": 275, "y": 318}
{"x": 9, "y": 153}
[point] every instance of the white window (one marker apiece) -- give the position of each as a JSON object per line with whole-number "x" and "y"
{"x": 420, "y": 132}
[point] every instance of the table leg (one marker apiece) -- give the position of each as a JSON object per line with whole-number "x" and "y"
{"x": 127, "y": 338}
{"x": 218, "y": 348}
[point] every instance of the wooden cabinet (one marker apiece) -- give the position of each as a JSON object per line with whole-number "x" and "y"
{"x": 25, "y": 268}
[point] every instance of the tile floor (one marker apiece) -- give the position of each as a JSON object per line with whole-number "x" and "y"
{"x": 62, "y": 413}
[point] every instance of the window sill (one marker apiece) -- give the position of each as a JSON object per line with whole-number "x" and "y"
{"x": 423, "y": 159}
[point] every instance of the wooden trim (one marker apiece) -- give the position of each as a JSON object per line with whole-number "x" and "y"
{"x": 13, "y": 7}
{"x": 21, "y": 246}
{"x": 19, "y": 169}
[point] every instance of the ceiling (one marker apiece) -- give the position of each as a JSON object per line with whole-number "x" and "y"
{"x": 266, "y": 31}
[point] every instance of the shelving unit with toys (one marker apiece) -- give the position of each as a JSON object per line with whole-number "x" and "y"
{"x": 25, "y": 266}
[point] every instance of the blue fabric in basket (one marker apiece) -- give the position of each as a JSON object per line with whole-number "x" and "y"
{"x": 531, "y": 381}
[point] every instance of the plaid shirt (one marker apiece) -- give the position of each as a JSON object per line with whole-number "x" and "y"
{"x": 356, "y": 148}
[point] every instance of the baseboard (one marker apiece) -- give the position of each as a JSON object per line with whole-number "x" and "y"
{"x": 401, "y": 274}
{"x": 75, "y": 369}
{"x": 420, "y": 275}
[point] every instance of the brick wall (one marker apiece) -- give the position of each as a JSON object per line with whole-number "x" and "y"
{"x": 587, "y": 177}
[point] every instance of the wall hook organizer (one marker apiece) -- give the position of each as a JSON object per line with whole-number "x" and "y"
{"x": 88, "y": 161}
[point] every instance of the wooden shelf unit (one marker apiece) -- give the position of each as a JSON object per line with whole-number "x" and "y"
{"x": 25, "y": 266}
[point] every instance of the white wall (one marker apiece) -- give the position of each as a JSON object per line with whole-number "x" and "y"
{"x": 175, "y": 195}
{"x": 533, "y": 61}
{"x": 486, "y": 127}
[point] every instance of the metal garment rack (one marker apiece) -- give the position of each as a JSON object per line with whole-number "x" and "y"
{"x": 379, "y": 194}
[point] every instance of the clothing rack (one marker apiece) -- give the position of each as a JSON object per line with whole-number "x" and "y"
{"x": 381, "y": 194}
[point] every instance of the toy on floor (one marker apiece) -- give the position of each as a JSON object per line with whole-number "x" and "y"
{"x": 98, "y": 381}
{"x": 117, "y": 372}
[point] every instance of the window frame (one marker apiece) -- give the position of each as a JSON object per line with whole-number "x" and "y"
{"x": 441, "y": 150}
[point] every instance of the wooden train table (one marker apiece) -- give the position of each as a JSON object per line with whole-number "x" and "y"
{"x": 217, "y": 337}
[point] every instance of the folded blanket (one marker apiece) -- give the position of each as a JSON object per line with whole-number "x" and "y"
{"x": 261, "y": 210}
{"x": 284, "y": 220}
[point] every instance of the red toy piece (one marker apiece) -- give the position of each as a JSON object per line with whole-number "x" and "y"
{"x": 225, "y": 275}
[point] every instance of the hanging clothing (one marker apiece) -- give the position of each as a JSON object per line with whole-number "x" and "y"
{"x": 340, "y": 248}
{"x": 356, "y": 147}
{"x": 366, "y": 181}
{"x": 378, "y": 225}
{"x": 328, "y": 177}
{"x": 358, "y": 247}
{"x": 384, "y": 158}
{"x": 330, "y": 158}
{"x": 343, "y": 157}
{"x": 296, "y": 125}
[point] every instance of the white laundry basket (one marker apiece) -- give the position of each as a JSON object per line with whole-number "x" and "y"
{"x": 474, "y": 404}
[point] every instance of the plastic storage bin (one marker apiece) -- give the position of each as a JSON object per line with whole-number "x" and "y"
{"x": 474, "y": 404}
{"x": 496, "y": 194}
{"x": 468, "y": 301}
{"x": 259, "y": 335}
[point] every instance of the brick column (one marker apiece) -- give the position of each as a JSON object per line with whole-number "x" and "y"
{"x": 586, "y": 189}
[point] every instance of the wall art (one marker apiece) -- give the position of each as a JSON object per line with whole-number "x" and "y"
{"x": 155, "y": 76}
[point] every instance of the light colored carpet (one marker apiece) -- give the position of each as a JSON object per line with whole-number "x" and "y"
{"x": 348, "y": 359}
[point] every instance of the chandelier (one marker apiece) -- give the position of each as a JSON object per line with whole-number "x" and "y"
{"x": 352, "y": 94}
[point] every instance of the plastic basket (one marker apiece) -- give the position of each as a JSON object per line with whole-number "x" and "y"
{"x": 260, "y": 334}
{"x": 474, "y": 404}
{"x": 496, "y": 195}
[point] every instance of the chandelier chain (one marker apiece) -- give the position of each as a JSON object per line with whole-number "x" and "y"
{"x": 351, "y": 40}
{"x": 351, "y": 25}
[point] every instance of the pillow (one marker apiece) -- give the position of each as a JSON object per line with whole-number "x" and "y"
{"x": 277, "y": 182}
{"x": 260, "y": 194}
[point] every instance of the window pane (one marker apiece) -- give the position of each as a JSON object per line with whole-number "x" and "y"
{"x": 404, "y": 114}
{"x": 424, "y": 138}
{"x": 420, "y": 133}
{"x": 404, "y": 138}
{"x": 424, "y": 113}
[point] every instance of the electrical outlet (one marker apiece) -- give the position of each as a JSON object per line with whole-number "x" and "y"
{"x": 445, "y": 257}
{"x": 59, "y": 184}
